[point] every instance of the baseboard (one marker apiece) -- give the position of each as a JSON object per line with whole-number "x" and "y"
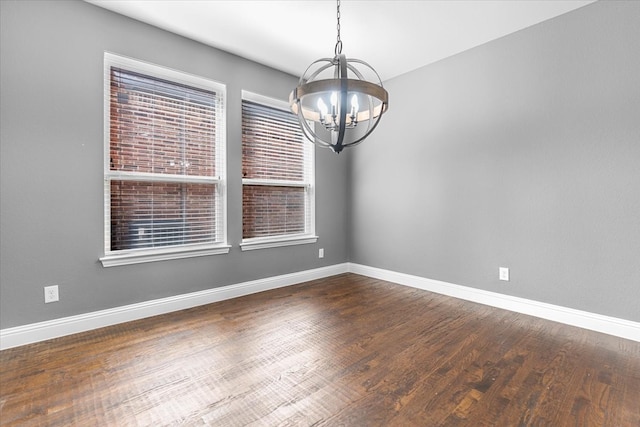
{"x": 21, "y": 335}
{"x": 27, "y": 334}
{"x": 583, "y": 319}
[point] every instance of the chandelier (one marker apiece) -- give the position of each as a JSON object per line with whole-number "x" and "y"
{"x": 339, "y": 101}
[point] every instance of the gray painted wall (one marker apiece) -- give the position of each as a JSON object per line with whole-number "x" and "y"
{"x": 52, "y": 156}
{"x": 522, "y": 153}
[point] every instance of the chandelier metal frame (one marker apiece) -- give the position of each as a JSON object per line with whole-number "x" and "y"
{"x": 336, "y": 123}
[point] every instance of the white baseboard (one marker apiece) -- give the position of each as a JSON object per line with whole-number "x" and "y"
{"x": 583, "y": 319}
{"x": 27, "y": 334}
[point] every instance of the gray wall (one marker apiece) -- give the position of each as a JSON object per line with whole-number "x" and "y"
{"x": 522, "y": 153}
{"x": 52, "y": 156}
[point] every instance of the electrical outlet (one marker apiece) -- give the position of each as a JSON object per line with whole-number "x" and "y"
{"x": 503, "y": 273}
{"x": 51, "y": 294}
{"x": 321, "y": 253}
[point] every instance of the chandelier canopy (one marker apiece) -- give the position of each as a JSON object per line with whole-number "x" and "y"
{"x": 339, "y": 101}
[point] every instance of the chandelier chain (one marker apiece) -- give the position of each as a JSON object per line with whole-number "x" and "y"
{"x": 338, "y": 49}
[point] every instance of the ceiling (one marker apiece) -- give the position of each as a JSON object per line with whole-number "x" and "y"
{"x": 394, "y": 36}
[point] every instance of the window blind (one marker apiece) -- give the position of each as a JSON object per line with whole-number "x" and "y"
{"x": 161, "y": 127}
{"x": 165, "y": 174}
{"x": 277, "y": 171}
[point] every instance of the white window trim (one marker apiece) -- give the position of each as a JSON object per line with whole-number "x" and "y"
{"x": 137, "y": 256}
{"x": 276, "y": 242}
{"x": 140, "y": 256}
{"x": 290, "y": 239}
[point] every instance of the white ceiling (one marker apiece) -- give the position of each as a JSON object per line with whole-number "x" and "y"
{"x": 393, "y": 36}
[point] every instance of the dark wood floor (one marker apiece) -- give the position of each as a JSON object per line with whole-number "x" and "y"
{"x": 343, "y": 351}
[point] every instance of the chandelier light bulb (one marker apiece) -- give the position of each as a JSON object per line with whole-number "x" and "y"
{"x": 354, "y": 105}
{"x": 323, "y": 108}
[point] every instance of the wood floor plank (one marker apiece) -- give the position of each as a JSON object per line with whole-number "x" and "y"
{"x": 342, "y": 351}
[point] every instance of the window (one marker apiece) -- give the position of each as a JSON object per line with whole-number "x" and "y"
{"x": 277, "y": 176}
{"x": 164, "y": 173}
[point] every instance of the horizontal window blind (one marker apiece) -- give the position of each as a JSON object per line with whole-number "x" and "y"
{"x": 277, "y": 171}
{"x": 272, "y": 144}
{"x": 164, "y": 178}
{"x": 273, "y": 211}
{"x": 160, "y": 127}
{"x": 154, "y": 214}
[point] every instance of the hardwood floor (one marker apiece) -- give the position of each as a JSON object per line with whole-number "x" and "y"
{"x": 342, "y": 351}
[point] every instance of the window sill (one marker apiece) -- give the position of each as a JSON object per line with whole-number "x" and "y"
{"x": 141, "y": 256}
{"x": 275, "y": 242}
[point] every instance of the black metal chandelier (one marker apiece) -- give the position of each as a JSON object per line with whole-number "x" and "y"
{"x": 339, "y": 101}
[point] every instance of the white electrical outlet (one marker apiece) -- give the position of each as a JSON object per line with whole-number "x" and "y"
{"x": 51, "y": 294}
{"x": 503, "y": 273}
{"x": 321, "y": 253}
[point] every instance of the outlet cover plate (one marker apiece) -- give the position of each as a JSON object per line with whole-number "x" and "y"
{"x": 51, "y": 294}
{"x": 503, "y": 273}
